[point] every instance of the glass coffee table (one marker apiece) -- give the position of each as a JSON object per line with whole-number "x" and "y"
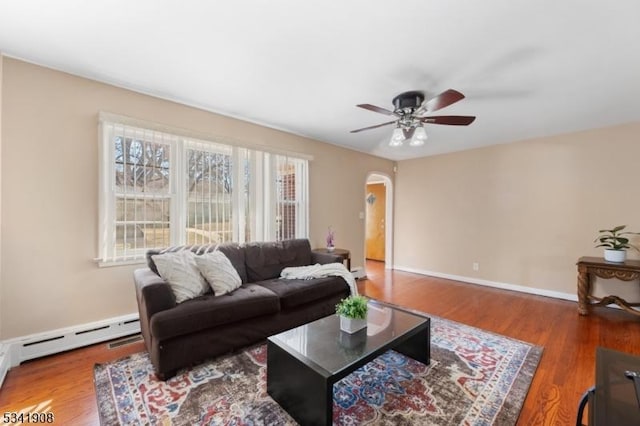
{"x": 303, "y": 363}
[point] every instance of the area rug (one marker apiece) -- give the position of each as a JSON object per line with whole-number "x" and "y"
{"x": 475, "y": 378}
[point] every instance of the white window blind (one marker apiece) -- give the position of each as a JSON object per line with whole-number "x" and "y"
{"x": 290, "y": 179}
{"x": 209, "y": 193}
{"x": 160, "y": 189}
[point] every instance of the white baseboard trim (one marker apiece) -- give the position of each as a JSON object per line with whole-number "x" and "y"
{"x": 358, "y": 272}
{"x": 4, "y": 361}
{"x": 494, "y": 284}
{"x": 19, "y": 349}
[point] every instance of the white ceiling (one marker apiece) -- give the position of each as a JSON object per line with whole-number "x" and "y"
{"x": 528, "y": 68}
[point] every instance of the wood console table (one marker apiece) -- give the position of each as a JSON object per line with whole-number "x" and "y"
{"x": 627, "y": 271}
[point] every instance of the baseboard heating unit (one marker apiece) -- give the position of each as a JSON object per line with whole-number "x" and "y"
{"x": 358, "y": 273}
{"x": 37, "y": 345}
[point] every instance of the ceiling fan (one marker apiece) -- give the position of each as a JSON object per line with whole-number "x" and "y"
{"x": 408, "y": 111}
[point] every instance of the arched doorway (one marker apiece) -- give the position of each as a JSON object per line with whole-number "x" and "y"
{"x": 378, "y": 245}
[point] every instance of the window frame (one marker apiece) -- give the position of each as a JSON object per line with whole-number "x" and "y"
{"x": 257, "y": 207}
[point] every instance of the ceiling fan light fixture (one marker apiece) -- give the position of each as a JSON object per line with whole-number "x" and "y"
{"x": 409, "y": 112}
{"x": 419, "y": 137}
{"x": 397, "y": 137}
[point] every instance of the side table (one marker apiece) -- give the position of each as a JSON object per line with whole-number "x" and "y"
{"x": 343, "y": 253}
{"x": 625, "y": 271}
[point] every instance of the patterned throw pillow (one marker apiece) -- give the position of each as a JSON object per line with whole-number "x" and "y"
{"x": 179, "y": 269}
{"x": 219, "y": 272}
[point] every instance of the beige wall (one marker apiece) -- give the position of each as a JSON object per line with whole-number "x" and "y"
{"x": 524, "y": 211}
{"x": 50, "y": 203}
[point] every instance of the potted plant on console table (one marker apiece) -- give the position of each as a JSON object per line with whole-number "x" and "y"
{"x": 615, "y": 243}
{"x": 353, "y": 313}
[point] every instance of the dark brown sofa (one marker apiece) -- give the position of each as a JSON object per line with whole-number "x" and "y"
{"x": 178, "y": 335}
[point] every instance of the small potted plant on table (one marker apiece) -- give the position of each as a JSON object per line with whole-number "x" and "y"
{"x": 615, "y": 243}
{"x": 353, "y": 313}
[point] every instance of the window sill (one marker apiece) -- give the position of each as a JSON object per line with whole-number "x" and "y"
{"x": 112, "y": 263}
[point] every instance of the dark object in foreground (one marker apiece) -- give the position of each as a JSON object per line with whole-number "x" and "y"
{"x": 635, "y": 376}
{"x": 614, "y": 398}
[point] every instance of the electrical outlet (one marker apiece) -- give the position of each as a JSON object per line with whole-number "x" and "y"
{"x": 476, "y": 266}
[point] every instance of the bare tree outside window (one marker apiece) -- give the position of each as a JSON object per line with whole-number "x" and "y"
{"x": 142, "y": 180}
{"x": 142, "y": 193}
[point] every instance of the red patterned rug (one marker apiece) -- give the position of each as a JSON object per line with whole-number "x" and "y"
{"x": 475, "y": 378}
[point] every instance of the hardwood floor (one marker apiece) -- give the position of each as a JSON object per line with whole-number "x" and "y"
{"x": 63, "y": 383}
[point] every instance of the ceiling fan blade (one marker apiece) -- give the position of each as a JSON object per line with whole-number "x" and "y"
{"x": 451, "y": 120}
{"x": 444, "y": 99}
{"x": 375, "y": 109}
{"x": 372, "y": 127}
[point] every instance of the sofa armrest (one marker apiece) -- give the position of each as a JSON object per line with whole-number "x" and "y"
{"x": 153, "y": 295}
{"x": 153, "y": 291}
{"x": 324, "y": 258}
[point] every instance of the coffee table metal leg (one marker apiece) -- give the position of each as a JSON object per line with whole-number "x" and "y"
{"x": 305, "y": 394}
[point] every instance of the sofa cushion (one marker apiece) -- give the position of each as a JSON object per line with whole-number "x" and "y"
{"x": 265, "y": 260}
{"x": 208, "y": 311}
{"x": 236, "y": 254}
{"x": 216, "y": 268}
{"x": 233, "y": 251}
{"x": 180, "y": 271}
{"x": 294, "y": 293}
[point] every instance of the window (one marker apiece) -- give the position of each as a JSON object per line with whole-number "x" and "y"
{"x": 290, "y": 197}
{"x": 209, "y": 191}
{"x": 160, "y": 188}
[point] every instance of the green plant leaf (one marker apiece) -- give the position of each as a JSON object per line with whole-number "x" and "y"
{"x": 353, "y": 307}
{"x": 613, "y": 239}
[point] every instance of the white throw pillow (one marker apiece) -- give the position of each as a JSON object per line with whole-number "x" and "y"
{"x": 179, "y": 269}
{"x": 219, "y": 272}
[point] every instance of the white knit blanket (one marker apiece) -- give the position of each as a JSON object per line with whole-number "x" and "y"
{"x": 321, "y": 271}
